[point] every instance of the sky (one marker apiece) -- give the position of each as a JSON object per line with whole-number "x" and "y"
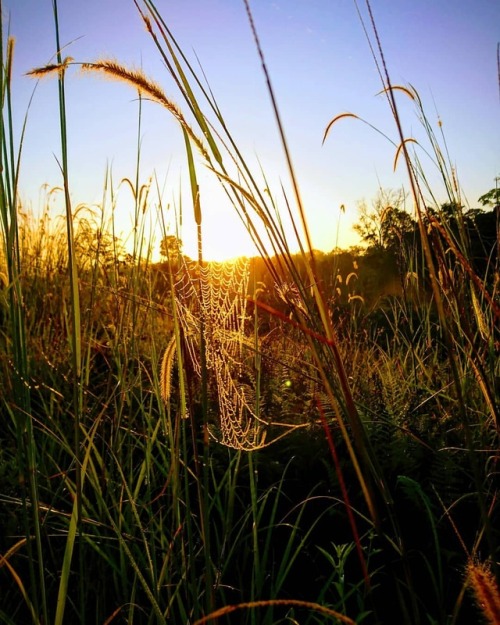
{"x": 320, "y": 65}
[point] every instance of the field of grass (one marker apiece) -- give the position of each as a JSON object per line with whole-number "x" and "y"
{"x": 252, "y": 442}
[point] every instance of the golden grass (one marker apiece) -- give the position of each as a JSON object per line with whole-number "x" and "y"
{"x": 132, "y": 76}
{"x": 274, "y": 602}
{"x": 166, "y": 370}
{"x": 51, "y": 68}
{"x": 485, "y": 589}
{"x": 147, "y": 87}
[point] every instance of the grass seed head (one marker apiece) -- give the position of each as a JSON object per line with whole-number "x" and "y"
{"x": 485, "y": 589}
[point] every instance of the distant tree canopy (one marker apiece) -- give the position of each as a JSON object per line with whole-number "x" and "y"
{"x": 391, "y": 254}
{"x": 171, "y": 248}
{"x": 491, "y": 198}
{"x": 392, "y": 236}
{"x": 385, "y": 224}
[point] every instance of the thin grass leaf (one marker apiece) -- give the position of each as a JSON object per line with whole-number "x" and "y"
{"x": 73, "y": 530}
{"x": 178, "y": 73}
{"x": 24, "y": 593}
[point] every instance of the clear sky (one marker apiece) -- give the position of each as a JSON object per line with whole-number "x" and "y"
{"x": 320, "y": 66}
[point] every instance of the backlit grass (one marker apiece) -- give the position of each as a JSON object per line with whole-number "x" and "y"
{"x": 282, "y": 440}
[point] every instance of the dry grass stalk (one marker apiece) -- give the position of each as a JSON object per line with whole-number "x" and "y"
{"x": 46, "y": 70}
{"x": 435, "y": 223}
{"x": 134, "y": 77}
{"x": 147, "y": 87}
{"x": 166, "y": 370}
{"x": 485, "y": 590}
{"x": 276, "y": 602}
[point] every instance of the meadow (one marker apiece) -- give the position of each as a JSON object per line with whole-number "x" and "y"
{"x": 279, "y": 439}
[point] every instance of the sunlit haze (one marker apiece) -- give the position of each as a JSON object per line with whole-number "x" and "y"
{"x": 320, "y": 66}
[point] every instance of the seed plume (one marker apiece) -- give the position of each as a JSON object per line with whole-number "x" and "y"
{"x": 485, "y": 590}
{"x": 147, "y": 87}
{"x": 166, "y": 370}
{"x": 51, "y": 68}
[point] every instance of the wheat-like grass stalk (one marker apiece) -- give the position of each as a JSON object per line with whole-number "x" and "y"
{"x": 166, "y": 370}
{"x": 485, "y": 589}
{"x": 132, "y": 76}
{"x": 51, "y": 68}
{"x": 310, "y": 605}
{"x": 147, "y": 87}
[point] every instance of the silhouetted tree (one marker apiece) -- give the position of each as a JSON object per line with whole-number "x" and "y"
{"x": 171, "y": 248}
{"x": 386, "y": 224}
{"x": 491, "y": 198}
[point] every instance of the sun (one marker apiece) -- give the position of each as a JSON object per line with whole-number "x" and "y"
{"x": 225, "y": 238}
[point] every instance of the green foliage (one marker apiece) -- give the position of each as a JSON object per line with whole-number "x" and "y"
{"x": 491, "y": 198}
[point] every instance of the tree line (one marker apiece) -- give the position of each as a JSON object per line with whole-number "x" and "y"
{"x": 390, "y": 260}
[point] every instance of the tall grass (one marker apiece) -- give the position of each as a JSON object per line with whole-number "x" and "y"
{"x": 19, "y": 413}
{"x": 120, "y": 504}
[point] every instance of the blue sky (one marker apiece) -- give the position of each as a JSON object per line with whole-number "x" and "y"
{"x": 320, "y": 66}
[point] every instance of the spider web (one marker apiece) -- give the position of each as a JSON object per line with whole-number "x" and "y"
{"x": 215, "y": 303}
